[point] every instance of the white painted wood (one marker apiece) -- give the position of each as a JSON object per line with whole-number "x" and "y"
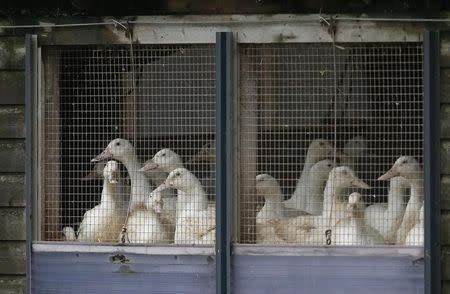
{"x": 105, "y": 248}
{"x": 298, "y": 250}
{"x": 284, "y": 28}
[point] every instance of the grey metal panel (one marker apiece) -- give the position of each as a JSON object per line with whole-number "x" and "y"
{"x": 432, "y": 161}
{"x": 224, "y": 152}
{"x": 327, "y": 274}
{"x": 84, "y": 272}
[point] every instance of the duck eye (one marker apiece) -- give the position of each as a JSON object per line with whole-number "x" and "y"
{"x": 178, "y": 174}
{"x": 117, "y": 143}
{"x": 164, "y": 154}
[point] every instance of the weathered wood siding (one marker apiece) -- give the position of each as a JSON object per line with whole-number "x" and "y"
{"x": 445, "y": 158}
{"x": 12, "y": 153}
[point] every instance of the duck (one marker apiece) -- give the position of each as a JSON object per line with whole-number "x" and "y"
{"x": 196, "y": 221}
{"x": 353, "y": 230}
{"x": 123, "y": 184}
{"x": 268, "y": 188}
{"x": 206, "y": 157}
{"x": 311, "y": 229}
{"x": 122, "y": 150}
{"x": 308, "y": 195}
{"x": 69, "y": 234}
{"x": 103, "y": 222}
{"x": 165, "y": 160}
{"x": 416, "y": 235}
{"x": 143, "y": 226}
{"x": 409, "y": 168}
{"x": 386, "y": 218}
{"x": 318, "y": 150}
{"x": 354, "y": 153}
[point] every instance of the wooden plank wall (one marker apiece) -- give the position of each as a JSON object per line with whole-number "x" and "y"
{"x": 12, "y": 154}
{"x": 445, "y": 158}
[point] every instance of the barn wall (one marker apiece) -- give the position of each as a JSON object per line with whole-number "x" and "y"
{"x": 12, "y": 206}
{"x": 445, "y": 158}
{"x": 12, "y": 147}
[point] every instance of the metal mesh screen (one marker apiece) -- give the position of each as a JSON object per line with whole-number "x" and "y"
{"x": 331, "y": 144}
{"x": 149, "y": 108}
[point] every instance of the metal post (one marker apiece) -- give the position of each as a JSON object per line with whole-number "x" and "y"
{"x": 30, "y": 100}
{"x": 432, "y": 175}
{"x": 224, "y": 163}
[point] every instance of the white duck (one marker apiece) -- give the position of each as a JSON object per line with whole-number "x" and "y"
{"x": 123, "y": 194}
{"x": 319, "y": 149}
{"x": 196, "y": 223}
{"x": 103, "y": 222}
{"x": 164, "y": 161}
{"x": 268, "y": 187}
{"x": 69, "y": 234}
{"x": 308, "y": 195}
{"x": 207, "y": 155}
{"x": 416, "y": 235}
{"x": 143, "y": 225}
{"x": 409, "y": 168}
{"x": 312, "y": 228}
{"x": 353, "y": 230}
{"x": 386, "y": 218}
{"x": 355, "y": 152}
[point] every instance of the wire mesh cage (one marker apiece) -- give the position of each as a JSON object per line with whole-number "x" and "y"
{"x": 331, "y": 144}
{"x": 145, "y": 116}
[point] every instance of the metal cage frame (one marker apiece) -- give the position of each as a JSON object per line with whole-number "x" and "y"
{"x": 237, "y": 29}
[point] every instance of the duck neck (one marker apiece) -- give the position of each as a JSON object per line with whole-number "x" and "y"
{"x": 140, "y": 188}
{"x": 109, "y": 193}
{"x": 329, "y": 196}
{"x": 273, "y": 204}
{"x": 192, "y": 198}
{"x": 395, "y": 198}
{"x": 309, "y": 162}
{"x": 416, "y": 190}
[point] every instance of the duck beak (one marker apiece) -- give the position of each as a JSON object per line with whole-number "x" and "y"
{"x": 160, "y": 188}
{"x": 106, "y": 154}
{"x": 149, "y": 165}
{"x": 389, "y": 174}
{"x": 360, "y": 184}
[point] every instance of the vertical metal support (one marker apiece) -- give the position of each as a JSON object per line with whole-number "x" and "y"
{"x": 432, "y": 176}
{"x": 224, "y": 156}
{"x": 31, "y": 89}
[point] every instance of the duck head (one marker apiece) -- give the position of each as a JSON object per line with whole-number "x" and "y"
{"x": 268, "y": 186}
{"x": 117, "y": 149}
{"x": 344, "y": 177}
{"x": 165, "y": 160}
{"x": 320, "y": 149}
{"x": 405, "y": 166}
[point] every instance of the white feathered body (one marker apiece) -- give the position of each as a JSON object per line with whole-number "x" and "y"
{"x": 386, "y": 218}
{"x": 416, "y": 235}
